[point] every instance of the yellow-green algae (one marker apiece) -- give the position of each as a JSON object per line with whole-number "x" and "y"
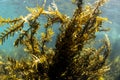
{"x": 73, "y": 58}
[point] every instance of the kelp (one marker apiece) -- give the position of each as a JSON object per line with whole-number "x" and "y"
{"x": 73, "y": 57}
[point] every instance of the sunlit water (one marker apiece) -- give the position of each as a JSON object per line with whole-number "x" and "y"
{"x": 16, "y": 8}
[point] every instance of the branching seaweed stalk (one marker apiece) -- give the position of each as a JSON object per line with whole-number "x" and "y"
{"x": 73, "y": 58}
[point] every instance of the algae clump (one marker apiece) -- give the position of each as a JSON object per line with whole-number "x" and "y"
{"x": 74, "y": 56}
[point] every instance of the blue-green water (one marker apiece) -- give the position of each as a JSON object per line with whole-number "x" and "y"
{"x": 112, "y": 11}
{"x": 16, "y": 8}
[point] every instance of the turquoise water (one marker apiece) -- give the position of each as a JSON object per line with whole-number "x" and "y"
{"x": 16, "y": 8}
{"x": 112, "y": 11}
{"x": 11, "y": 9}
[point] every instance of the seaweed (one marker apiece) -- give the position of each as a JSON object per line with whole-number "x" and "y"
{"x": 114, "y": 73}
{"x": 73, "y": 58}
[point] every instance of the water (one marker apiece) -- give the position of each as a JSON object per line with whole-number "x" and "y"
{"x": 15, "y": 8}
{"x": 112, "y": 10}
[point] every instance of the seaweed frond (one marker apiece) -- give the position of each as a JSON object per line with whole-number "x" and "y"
{"x": 11, "y": 30}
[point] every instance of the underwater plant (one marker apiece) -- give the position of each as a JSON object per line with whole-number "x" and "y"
{"x": 114, "y": 73}
{"x": 74, "y": 56}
